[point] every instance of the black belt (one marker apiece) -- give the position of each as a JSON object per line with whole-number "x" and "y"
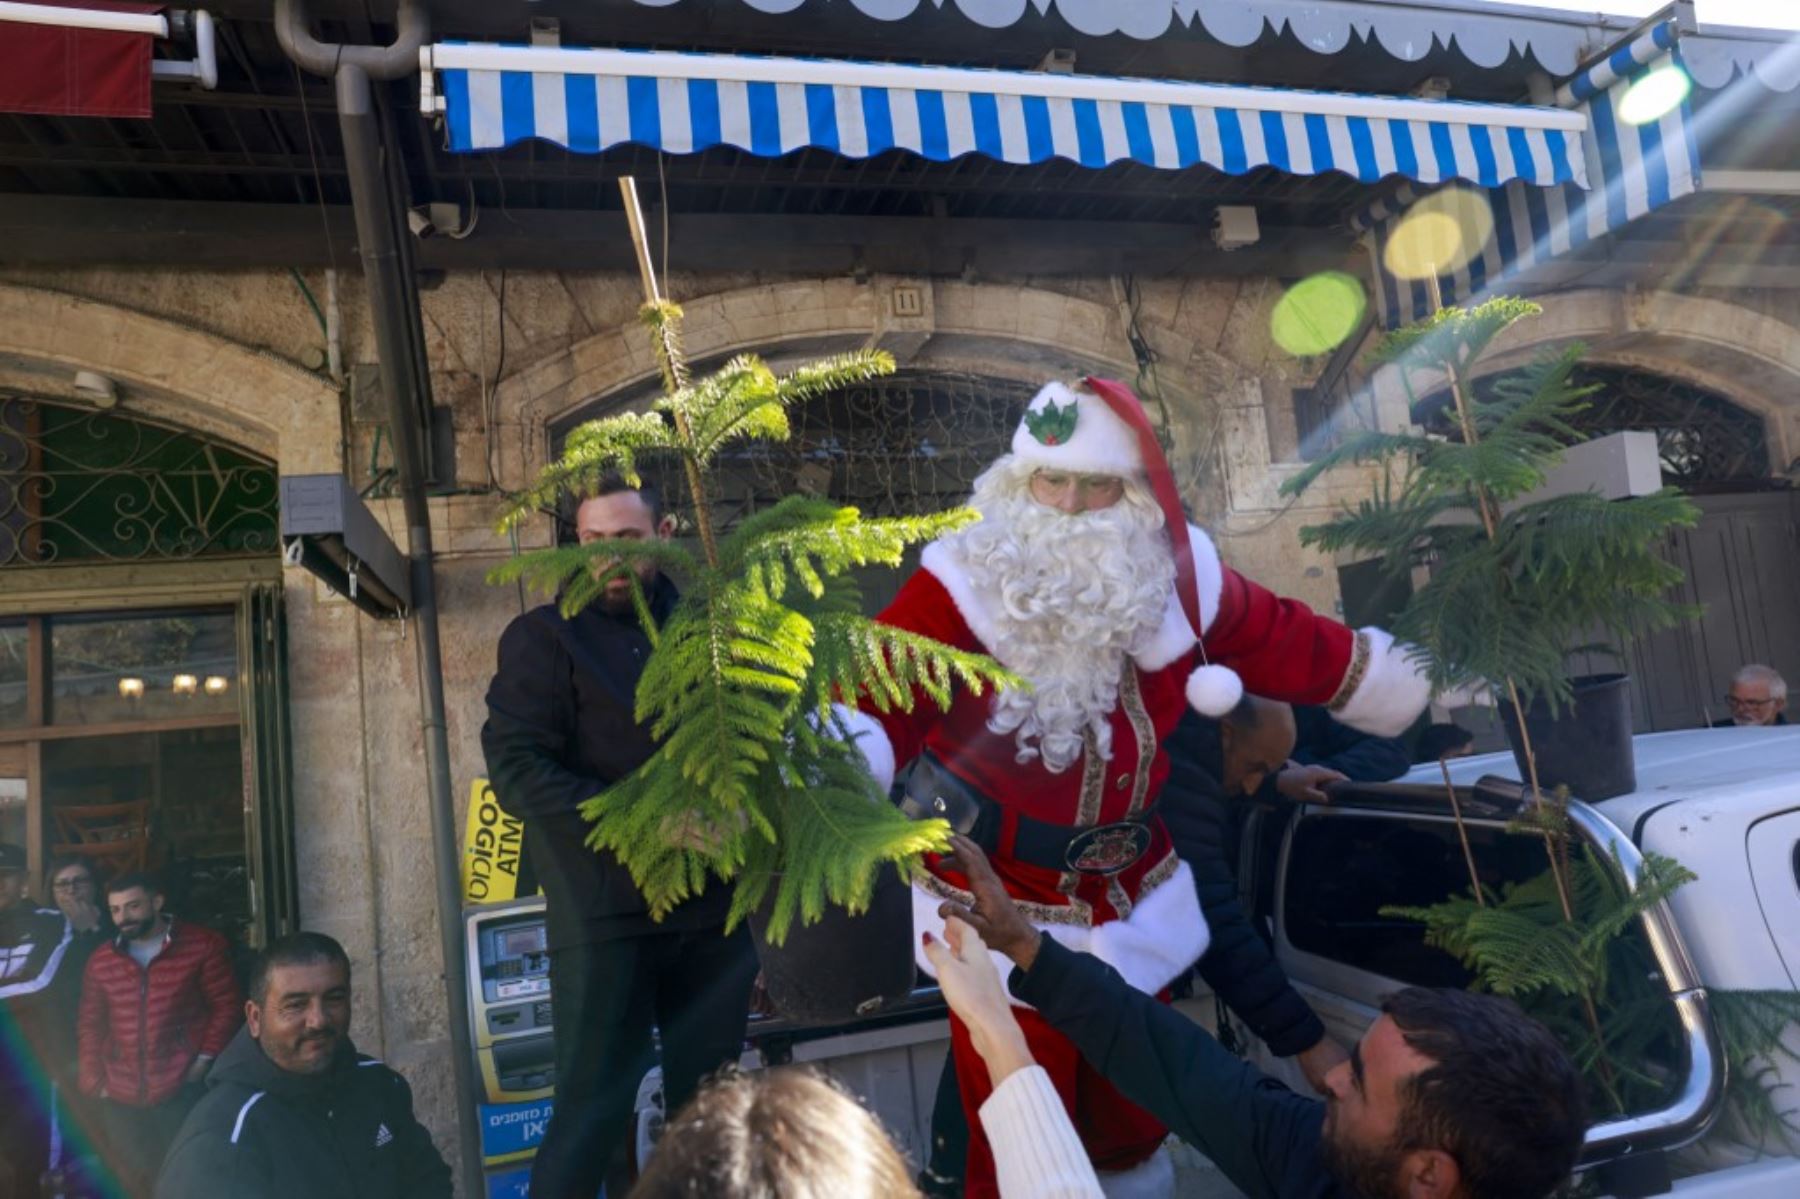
{"x": 932, "y": 792}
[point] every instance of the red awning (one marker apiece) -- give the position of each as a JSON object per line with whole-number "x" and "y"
{"x": 61, "y": 71}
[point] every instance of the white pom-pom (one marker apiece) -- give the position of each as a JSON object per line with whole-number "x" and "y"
{"x": 1214, "y": 690}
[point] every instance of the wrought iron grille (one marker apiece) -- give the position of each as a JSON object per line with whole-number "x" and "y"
{"x": 77, "y": 485}
{"x": 906, "y": 444}
{"x": 1704, "y": 440}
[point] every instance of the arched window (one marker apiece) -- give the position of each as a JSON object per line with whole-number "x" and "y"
{"x": 80, "y": 485}
{"x": 1706, "y": 442}
{"x": 909, "y": 443}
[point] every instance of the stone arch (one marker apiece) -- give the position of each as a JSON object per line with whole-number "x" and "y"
{"x": 1749, "y": 358}
{"x": 1006, "y": 331}
{"x": 171, "y": 372}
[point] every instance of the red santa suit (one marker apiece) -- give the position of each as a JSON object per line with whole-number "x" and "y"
{"x": 1145, "y": 919}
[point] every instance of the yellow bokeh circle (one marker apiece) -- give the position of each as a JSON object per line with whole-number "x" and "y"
{"x": 1439, "y": 234}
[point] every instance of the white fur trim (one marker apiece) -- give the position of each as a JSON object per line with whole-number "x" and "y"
{"x": 1173, "y": 638}
{"x": 1214, "y": 690}
{"x": 1393, "y": 690}
{"x": 872, "y": 741}
{"x": 1164, "y": 935}
{"x": 1101, "y": 443}
{"x": 1152, "y": 1178}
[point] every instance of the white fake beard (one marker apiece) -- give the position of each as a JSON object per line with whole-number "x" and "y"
{"x": 1073, "y": 595}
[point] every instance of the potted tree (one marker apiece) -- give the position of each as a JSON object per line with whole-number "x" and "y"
{"x": 1516, "y": 583}
{"x": 755, "y": 783}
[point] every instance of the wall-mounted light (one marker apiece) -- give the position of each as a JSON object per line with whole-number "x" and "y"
{"x": 185, "y": 684}
{"x": 216, "y": 684}
{"x": 131, "y": 687}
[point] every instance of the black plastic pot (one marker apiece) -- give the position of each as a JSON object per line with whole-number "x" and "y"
{"x": 844, "y": 967}
{"x": 1587, "y": 747}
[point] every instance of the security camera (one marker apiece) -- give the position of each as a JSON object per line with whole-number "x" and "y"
{"x": 449, "y": 219}
{"x": 1235, "y": 227}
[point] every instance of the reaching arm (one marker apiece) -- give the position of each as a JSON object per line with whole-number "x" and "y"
{"x": 1353, "y": 753}
{"x": 529, "y": 724}
{"x": 1238, "y": 965}
{"x": 1260, "y": 1134}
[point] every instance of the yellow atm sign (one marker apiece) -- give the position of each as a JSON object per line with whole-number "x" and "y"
{"x": 493, "y": 842}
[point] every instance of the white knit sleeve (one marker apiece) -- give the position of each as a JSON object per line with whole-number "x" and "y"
{"x": 1037, "y": 1154}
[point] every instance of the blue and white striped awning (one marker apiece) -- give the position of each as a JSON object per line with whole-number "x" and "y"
{"x": 1633, "y": 169}
{"x": 591, "y": 100}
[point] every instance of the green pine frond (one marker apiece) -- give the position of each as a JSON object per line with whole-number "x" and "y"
{"x": 1453, "y": 337}
{"x": 826, "y": 375}
{"x": 577, "y": 572}
{"x": 592, "y": 449}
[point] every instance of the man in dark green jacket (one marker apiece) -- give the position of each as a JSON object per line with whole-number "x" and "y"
{"x": 1450, "y": 1095}
{"x": 292, "y": 1110}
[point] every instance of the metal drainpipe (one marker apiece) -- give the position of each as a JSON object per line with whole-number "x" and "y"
{"x": 372, "y": 198}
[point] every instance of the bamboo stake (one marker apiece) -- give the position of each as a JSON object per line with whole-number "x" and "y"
{"x": 673, "y": 364}
{"x": 1555, "y": 847}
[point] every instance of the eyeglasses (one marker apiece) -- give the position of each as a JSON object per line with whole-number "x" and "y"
{"x": 1732, "y": 701}
{"x": 1089, "y": 487}
{"x": 72, "y": 884}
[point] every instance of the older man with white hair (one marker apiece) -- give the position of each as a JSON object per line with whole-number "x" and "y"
{"x": 1757, "y": 697}
{"x": 1085, "y": 577}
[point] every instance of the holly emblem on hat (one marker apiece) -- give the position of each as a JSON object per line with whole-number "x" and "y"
{"x": 1053, "y": 423}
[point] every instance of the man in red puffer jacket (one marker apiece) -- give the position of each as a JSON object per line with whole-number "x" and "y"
{"x": 158, "y": 1003}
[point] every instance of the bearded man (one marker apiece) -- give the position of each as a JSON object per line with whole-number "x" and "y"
{"x": 1072, "y": 580}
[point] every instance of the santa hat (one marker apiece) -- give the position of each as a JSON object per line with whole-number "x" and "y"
{"x": 1099, "y": 427}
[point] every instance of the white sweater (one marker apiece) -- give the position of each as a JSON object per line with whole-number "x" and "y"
{"x": 1037, "y": 1153}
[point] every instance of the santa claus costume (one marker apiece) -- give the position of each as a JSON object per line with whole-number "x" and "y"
{"x": 1118, "y": 626}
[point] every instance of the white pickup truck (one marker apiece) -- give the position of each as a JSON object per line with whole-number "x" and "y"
{"x": 1723, "y": 802}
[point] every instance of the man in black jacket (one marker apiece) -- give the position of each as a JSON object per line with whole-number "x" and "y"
{"x": 561, "y": 729}
{"x": 1266, "y": 751}
{"x": 1449, "y": 1095}
{"x": 292, "y": 1111}
{"x": 36, "y": 989}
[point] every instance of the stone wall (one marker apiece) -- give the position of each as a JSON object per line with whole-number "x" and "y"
{"x": 242, "y": 354}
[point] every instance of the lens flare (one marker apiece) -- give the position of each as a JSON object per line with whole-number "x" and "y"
{"x": 1439, "y": 234}
{"x": 1657, "y": 94}
{"x": 1318, "y": 314}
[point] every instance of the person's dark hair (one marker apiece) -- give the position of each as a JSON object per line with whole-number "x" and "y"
{"x": 610, "y": 483}
{"x": 786, "y": 1132}
{"x": 131, "y": 880}
{"x": 1436, "y": 740}
{"x": 1501, "y": 1097}
{"x": 62, "y": 862}
{"x": 295, "y": 949}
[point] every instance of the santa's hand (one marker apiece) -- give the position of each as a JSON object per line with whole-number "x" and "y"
{"x": 1306, "y": 784}
{"x": 995, "y": 917}
{"x": 973, "y": 989}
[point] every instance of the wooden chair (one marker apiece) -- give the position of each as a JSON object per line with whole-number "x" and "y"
{"x": 114, "y": 837}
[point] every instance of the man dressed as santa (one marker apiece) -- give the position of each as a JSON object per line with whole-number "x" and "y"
{"x": 1084, "y": 577}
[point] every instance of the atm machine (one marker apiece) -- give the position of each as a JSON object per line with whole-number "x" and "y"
{"x": 509, "y": 1013}
{"x": 891, "y": 1060}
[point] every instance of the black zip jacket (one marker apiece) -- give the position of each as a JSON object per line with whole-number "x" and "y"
{"x": 1262, "y": 1136}
{"x": 1238, "y": 965}
{"x": 1321, "y": 740}
{"x": 37, "y": 991}
{"x": 264, "y": 1133}
{"x": 561, "y": 728}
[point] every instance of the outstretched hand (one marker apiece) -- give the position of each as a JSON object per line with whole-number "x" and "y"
{"x": 972, "y": 987}
{"x": 994, "y": 916}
